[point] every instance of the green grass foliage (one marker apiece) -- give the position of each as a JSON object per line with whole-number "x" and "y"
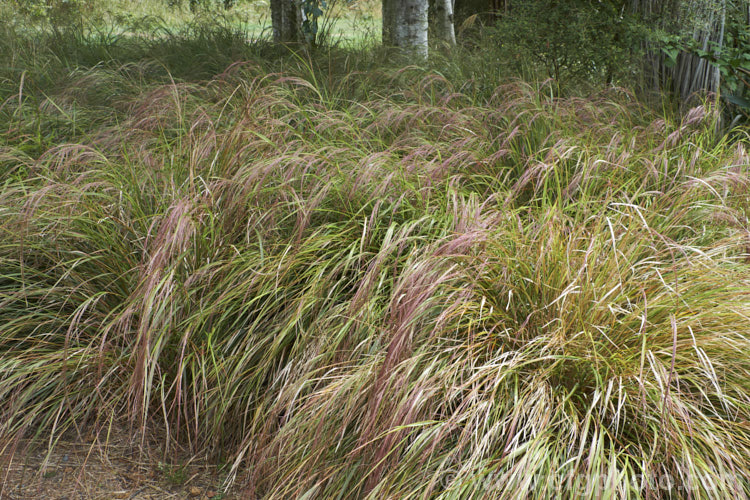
{"x": 346, "y": 280}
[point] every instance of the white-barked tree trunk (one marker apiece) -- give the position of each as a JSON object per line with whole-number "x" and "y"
{"x": 405, "y": 24}
{"x": 443, "y": 28}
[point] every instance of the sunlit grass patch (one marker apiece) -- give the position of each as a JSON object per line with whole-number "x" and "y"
{"x": 372, "y": 281}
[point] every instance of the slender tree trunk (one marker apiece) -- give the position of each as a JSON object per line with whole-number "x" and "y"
{"x": 286, "y": 21}
{"x": 442, "y": 21}
{"x": 276, "y": 17}
{"x": 405, "y": 25}
{"x": 388, "y": 11}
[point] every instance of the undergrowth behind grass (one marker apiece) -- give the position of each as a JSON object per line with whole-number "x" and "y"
{"x": 373, "y": 282}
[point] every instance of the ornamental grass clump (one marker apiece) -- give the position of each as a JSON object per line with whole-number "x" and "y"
{"x": 417, "y": 292}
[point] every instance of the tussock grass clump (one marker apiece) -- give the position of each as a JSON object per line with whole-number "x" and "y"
{"x": 381, "y": 291}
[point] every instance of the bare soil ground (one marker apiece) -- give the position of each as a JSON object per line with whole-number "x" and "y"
{"x": 92, "y": 467}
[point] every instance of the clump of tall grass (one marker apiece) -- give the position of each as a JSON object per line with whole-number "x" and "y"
{"x": 417, "y": 292}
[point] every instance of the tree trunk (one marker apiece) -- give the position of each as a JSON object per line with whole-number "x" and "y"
{"x": 442, "y": 21}
{"x": 405, "y": 25}
{"x": 286, "y": 21}
{"x": 388, "y": 9}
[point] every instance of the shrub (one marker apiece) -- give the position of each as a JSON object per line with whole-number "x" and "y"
{"x": 577, "y": 41}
